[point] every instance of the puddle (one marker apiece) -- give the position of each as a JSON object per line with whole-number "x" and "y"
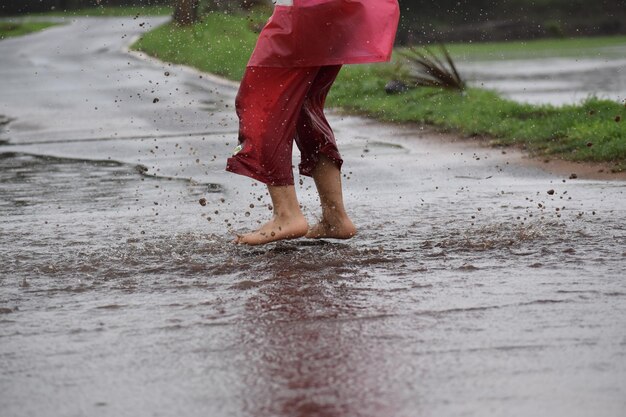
{"x": 473, "y": 287}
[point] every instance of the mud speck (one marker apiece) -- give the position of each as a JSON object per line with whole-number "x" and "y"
{"x": 202, "y": 201}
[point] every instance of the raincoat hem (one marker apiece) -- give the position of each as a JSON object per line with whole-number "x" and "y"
{"x": 306, "y": 167}
{"x": 366, "y": 59}
{"x": 236, "y": 166}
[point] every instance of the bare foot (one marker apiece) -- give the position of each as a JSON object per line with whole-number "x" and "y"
{"x": 337, "y": 228}
{"x": 278, "y": 228}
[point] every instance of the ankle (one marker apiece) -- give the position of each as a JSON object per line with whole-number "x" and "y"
{"x": 287, "y": 214}
{"x": 334, "y": 213}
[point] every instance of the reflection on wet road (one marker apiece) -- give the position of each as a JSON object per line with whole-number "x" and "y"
{"x": 476, "y": 286}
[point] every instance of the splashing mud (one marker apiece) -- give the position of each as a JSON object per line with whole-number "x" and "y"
{"x": 468, "y": 290}
{"x": 427, "y": 287}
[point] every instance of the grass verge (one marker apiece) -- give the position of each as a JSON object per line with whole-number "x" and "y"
{"x": 221, "y": 43}
{"x": 594, "y": 131}
{"x": 600, "y": 46}
{"x": 11, "y": 29}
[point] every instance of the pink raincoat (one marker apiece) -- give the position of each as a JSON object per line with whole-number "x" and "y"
{"x": 304, "y": 33}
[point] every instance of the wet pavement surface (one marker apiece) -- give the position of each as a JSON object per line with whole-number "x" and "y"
{"x": 477, "y": 286}
{"x": 549, "y": 79}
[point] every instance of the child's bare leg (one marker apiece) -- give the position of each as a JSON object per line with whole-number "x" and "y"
{"x": 335, "y": 222}
{"x": 287, "y": 222}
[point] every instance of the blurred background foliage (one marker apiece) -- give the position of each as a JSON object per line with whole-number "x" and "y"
{"x": 422, "y": 21}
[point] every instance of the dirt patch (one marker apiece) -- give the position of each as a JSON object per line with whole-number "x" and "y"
{"x": 574, "y": 170}
{"x": 567, "y": 169}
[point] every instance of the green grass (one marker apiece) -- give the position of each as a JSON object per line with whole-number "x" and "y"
{"x": 585, "y": 132}
{"x": 603, "y": 46}
{"x": 11, "y": 29}
{"x": 222, "y": 44}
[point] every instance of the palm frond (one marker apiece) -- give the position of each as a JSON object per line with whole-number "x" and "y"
{"x": 428, "y": 69}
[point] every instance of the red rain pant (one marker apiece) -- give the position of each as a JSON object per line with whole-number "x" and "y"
{"x": 276, "y": 105}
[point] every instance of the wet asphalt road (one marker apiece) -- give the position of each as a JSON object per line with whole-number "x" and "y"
{"x": 470, "y": 290}
{"x": 557, "y": 81}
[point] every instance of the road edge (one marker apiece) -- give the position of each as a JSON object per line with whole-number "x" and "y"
{"x": 224, "y": 82}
